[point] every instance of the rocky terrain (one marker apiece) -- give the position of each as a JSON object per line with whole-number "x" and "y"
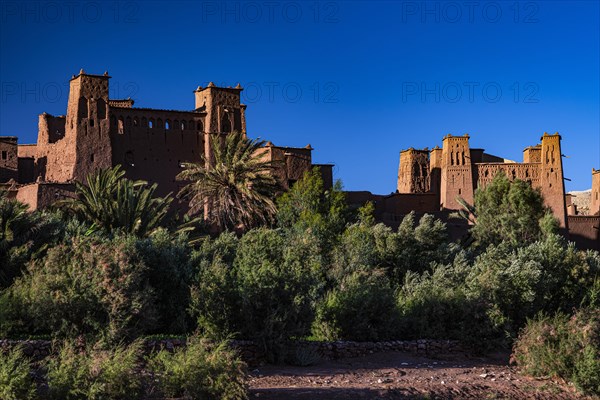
{"x": 582, "y": 200}
{"x": 396, "y": 375}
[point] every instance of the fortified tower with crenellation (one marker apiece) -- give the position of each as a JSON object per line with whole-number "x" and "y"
{"x": 552, "y": 183}
{"x": 413, "y": 171}
{"x": 456, "y": 178}
{"x": 224, "y": 112}
{"x": 71, "y": 147}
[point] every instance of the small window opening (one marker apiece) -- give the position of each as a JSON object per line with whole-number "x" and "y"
{"x": 91, "y": 122}
{"x": 4, "y": 155}
{"x": 92, "y": 157}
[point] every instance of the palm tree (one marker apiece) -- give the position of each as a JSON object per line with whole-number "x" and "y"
{"x": 17, "y": 227}
{"x": 15, "y": 221}
{"x": 112, "y": 202}
{"x": 236, "y": 187}
{"x": 467, "y": 213}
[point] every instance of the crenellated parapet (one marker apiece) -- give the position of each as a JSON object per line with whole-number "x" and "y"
{"x": 528, "y": 172}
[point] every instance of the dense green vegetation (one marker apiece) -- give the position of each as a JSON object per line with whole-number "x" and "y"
{"x": 114, "y": 269}
{"x": 563, "y": 347}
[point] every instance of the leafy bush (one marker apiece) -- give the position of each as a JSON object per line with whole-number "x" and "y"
{"x": 91, "y": 287}
{"x": 199, "y": 371}
{"x": 355, "y": 251}
{"x": 23, "y": 235}
{"x": 436, "y": 304}
{"x": 547, "y": 275}
{"x": 15, "y": 379}
{"x": 277, "y": 282}
{"x": 563, "y": 347}
{"x": 364, "y": 246}
{"x": 95, "y": 374}
{"x": 170, "y": 273}
{"x": 214, "y": 298}
{"x": 511, "y": 212}
{"x": 422, "y": 244}
{"x": 308, "y": 208}
{"x": 263, "y": 288}
{"x": 118, "y": 287}
{"x": 362, "y": 308}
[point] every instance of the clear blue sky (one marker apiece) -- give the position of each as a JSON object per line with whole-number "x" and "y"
{"x": 358, "y": 80}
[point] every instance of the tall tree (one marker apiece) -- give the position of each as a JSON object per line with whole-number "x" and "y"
{"x": 510, "y": 212}
{"x": 236, "y": 186}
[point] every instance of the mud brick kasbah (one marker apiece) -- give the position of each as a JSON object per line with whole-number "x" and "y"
{"x": 151, "y": 144}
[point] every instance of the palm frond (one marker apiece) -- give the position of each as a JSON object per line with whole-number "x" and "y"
{"x": 238, "y": 186}
{"x": 113, "y": 202}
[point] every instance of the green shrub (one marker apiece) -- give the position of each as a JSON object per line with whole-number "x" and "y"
{"x": 214, "y": 296}
{"x": 308, "y": 208}
{"x": 262, "y": 288}
{"x": 15, "y": 379}
{"x": 23, "y": 235}
{"x": 546, "y": 275}
{"x": 91, "y": 287}
{"x": 355, "y": 251}
{"x": 170, "y": 272}
{"x": 362, "y": 308}
{"x": 436, "y": 304}
{"x": 511, "y": 212}
{"x": 364, "y": 246}
{"x": 422, "y": 244}
{"x": 278, "y": 280}
{"x": 95, "y": 374}
{"x": 12, "y": 320}
{"x": 199, "y": 371}
{"x": 308, "y": 204}
{"x": 215, "y": 301}
{"x": 563, "y": 347}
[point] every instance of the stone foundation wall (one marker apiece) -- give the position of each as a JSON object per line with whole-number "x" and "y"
{"x": 253, "y": 355}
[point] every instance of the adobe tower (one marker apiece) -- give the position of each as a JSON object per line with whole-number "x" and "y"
{"x": 86, "y": 145}
{"x": 551, "y": 177}
{"x": 456, "y": 174}
{"x": 413, "y": 171}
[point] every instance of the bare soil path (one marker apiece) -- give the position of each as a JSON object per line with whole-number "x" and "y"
{"x": 396, "y": 375}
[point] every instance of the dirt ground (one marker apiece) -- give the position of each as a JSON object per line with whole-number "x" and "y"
{"x": 397, "y": 375}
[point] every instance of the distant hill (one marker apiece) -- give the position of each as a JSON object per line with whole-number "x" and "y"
{"x": 582, "y": 200}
